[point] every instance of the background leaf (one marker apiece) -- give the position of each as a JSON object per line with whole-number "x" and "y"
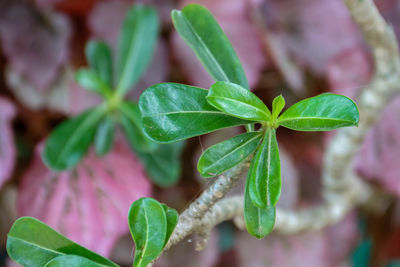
{"x": 148, "y": 225}
{"x": 132, "y": 126}
{"x": 72, "y": 260}
{"x": 163, "y": 165}
{"x": 104, "y": 138}
{"x": 98, "y": 55}
{"x": 89, "y": 79}
{"x": 197, "y": 26}
{"x": 237, "y": 101}
{"x": 173, "y": 112}
{"x": 265, "y": 173}
{"x": 259, "y": 221}
{"x": 225, "y": 155}
{"x": 136, "y": 45}
{"x": 33, "y": 243}
{"x": 70, "y": 140}
{"x": 320, "y": 113}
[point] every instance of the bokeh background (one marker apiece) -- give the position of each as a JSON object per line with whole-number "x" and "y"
{"x": 297, "y": 48}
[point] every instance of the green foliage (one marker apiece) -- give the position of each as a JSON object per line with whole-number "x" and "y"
{"x": 227, "y": 154}
{"x": 324, "y": 112}
{"x": 197, "y": 26}
{"x": 33, "y": 243}
{"x": 172, "y": 112}
{"x": 72, "y": 260}
{"x": 71, "y": 139}
{"x": 151, "y": 225}
{"x": 136, "y": 45}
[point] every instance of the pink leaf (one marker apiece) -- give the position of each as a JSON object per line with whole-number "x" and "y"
{"x": 378, "y": 159}
{"x": 234, "y": 20}
{"x": 90, "y": 203}
{"x": 35, "y": 46}
{"x": 7, "y": 149}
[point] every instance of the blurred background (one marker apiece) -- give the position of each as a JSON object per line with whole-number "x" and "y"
{"x": 297, "y": 48}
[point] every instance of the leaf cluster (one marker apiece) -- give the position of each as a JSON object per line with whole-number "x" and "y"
{"x": 71, "y": 139}
{"x": 172, "y": 112}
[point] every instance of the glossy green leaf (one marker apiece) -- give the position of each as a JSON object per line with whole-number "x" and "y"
{"x": 72, "y": 260}
{"x": 33, "y": 243}
{"x": 70, "y": 140}
{"x": 277, "y": 105}
{"x": 88, "y": 79}
{"x": 197, "y": 26}
{"x": 320, "y": 113}
{"x": 148, "y": 225}
{"x": 136, "y": 45}
{"x": 237, "y": 101}
{"x": 225, "y": 155}
{"x": 172, "y": 219}
{"x": 104, "y": 136}
{"x": 172, "y": 112}
{"x": 98, "y": 55}
{"x": 131, "y": 122}
{"x": 265, "y": 173}
{"x": 163, "y": 165}
{"x": 259, "y": 221}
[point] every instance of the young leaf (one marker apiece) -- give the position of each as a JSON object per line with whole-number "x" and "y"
{"x": 197, "y": 26}
{"x": 277, "y": 106}
{"x": 33, "y": 243}
{"x": 136, "y": 45}
{"x": 320, "y": 113}
{"x": 225, "y": 155}
{"x": 265, "y": 173}
{"x": 132, "y": 126}
{"x": 163, "y": 165}
{"x": 173, "y": 112}
{"x": 98, "y": 55}
{"x": 72, "y": 260}
{"x": 69, "y": 142}
{"x": 259, "y": 221}
{"x": 237, "y": 101}
{"x": 104, "y": 136}
{"x": 172, "y": 219}
{"x": 88, "y": 79}
{"x": 148, "y": 225}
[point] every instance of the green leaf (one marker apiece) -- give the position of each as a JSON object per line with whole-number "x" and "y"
{"x": 70, "y": 140}
{"x": 237, "y": 101}
{"x": 33, "y": 243}
{"x": 225, "y": 155}
{"x": 104, "y": 136}
{"x": 172, "y": 219}
{"x": 136, "y": 45}
{"x": 88, "y": 79}
{"x": 132, "y": 126}
{"x": 277, "y": 106}
{"x": 148, "y": 225}
{"x": 98, "y": 55}
{"x": 320, "y": 113}
{"x": 265, "y": 173}
{"x": 197, "y": 26}
{"x": 172, "y": 112}
{"x": 72, "y": 260}
{"x": 163, "y": 165}
{"x": 259, "y": 221}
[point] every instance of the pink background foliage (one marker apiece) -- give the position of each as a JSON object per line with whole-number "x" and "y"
{"x": 90, "y": 203}
{"x": 7, "y": 148}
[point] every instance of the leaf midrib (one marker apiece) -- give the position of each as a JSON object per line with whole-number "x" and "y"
{"x": 312, "y": 118}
